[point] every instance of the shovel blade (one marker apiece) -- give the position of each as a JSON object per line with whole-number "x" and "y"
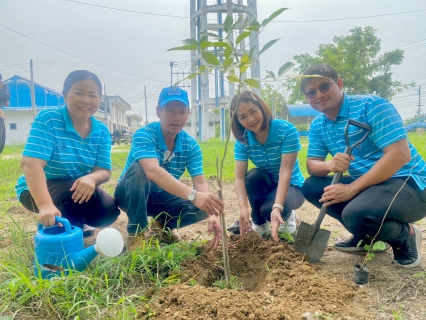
{"x": 314, "y": 246}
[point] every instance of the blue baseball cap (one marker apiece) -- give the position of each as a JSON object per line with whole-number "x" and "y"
{"x": 173, "y": 94}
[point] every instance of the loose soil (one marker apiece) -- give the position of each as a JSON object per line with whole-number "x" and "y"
{"x": 276, "y": 282}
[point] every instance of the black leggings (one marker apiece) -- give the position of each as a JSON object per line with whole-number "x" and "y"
{"x": 261, "y": 191}
{"x": 363, "y": 215}
{"x": 100, "y": 211}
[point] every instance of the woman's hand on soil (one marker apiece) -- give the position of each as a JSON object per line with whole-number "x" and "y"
{"x": 209, "y": 203}
{"x": 276, "y": 220}
{"x": 83, "y": 188}
{"x": 340, "y": 162}
{"x": 337, "y": 193}
{"x": 213, "y": 226}
{"x": 245, "y": 225}
{"x": 47, "y": 214}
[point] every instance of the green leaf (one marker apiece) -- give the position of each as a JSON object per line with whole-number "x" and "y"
{"x": 227, "y": 62}
{"x": 245, "y": 58}
{"x": 210, "y": 58}
{"x": 254, "y": 26}
{"x": 379, "y": 245}
{"x": 202, "y": 68}
{"x": 285, "y": 67}
{"x": 367, "y": 247}
{"x": 192, "y": 75}
{"x": 237, "y": 22}
{"x": 228, "y": 23}
{"x": 251, "y": 52}
{"x": 210, "y": 34}
{"x": 228, "y": 52}
{"x": 271, "y": 74}
{"x": 252, "y": 83}
{"x": 220, "y": 44}
{"x": 359, "y": 243}
{"x": 204, "y": 38}
{"x": 232, "y": 78}
{"x": 185, "y": 47}
{"x": 273, "y": 16}
{"x": 267, "y": 46}
{"x": 205, "y": 44}
{"x": 190, "y": 41}
{"x": 243, "y": 68}
{"x": 242, "y": 36}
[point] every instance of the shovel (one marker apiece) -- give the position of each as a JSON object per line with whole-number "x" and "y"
{"x": 310, "y": 239}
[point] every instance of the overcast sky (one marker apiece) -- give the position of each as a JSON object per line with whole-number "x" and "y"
{"x": 80, "y": 36}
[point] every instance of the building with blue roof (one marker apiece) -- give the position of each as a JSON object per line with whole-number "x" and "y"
{"x": 301, "y": 115}
{"x": 19, "y": 114}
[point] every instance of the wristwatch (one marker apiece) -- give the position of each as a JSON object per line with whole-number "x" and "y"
{"x": 191, "y": 195}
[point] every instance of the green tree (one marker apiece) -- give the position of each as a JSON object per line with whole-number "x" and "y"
{"x": 274, "y": 97}
{"x": 358, "y": 61}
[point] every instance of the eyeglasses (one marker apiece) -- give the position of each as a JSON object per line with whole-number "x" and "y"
{"x": 325, "y": 87}
{"x": 167, "y": 156}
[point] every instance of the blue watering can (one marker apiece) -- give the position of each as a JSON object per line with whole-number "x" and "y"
{"x": 61, "y": 249}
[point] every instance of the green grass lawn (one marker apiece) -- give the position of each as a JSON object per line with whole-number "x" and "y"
{"x": 110, "y": 288}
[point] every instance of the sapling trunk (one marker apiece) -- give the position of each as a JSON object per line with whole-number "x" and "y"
{"x": 224, "y": 238}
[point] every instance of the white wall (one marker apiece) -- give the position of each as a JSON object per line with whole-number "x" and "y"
{"x": 210, "y": 131}
{"x": 23, "y": 120}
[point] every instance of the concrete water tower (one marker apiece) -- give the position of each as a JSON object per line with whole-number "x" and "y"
{"x": 213, "y": 91}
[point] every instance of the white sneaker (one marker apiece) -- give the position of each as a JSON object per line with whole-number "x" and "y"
{"x": 290, "y": 225}
{"x": 263, "y": 229}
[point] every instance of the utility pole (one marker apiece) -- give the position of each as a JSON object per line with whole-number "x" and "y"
{"x": 146, "y": 107}
{"x": 106, "y": 108}
{"x": 116, "y": 111}
{"x": 419, "y": 92}
{"x": 273, "y": 107}
{"x": 33, "y": 105}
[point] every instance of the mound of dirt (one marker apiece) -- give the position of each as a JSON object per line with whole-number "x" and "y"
{"x": 276, "y": 283}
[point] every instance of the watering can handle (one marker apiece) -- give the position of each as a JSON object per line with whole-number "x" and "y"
{"x": 338, "y": 175}
{"x": 64, "y": 222}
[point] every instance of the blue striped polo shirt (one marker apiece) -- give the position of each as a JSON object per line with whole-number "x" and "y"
{"x": 283, "y": 138}
{"x": 148, "y": 142}
{"x": 53, "y": 139}
{"x": 327, "y": 136}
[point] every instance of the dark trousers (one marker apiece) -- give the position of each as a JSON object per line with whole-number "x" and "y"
{"x": 261, "y": 192}
{"x": 133, "y": 195}
{"x": 363, "y": 214}
{"x": 100, "y": 211}
{"x": 2, "y": 135}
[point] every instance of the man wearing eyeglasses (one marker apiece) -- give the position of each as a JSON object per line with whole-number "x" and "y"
{"x": 384, "y": 165}
{"x": 149, "y": 184}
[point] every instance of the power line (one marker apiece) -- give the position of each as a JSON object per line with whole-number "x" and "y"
{"x": 125, "y": 10}
{"x": 354, "y": 18}
{"x": 297, "y": 21}
{"x": 100, "y": 65}
{"x": 402, "y": 32}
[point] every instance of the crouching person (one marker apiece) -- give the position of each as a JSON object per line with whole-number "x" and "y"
{"x": 149, "y": 184}
{"x": 66, "y": 159}
{"x": 384, "y": 165}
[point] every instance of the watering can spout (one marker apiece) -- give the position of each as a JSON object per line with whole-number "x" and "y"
{"x": 80, "y": 260}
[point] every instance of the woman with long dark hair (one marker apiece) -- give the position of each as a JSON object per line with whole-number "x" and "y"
{"x": 273, "y": 187}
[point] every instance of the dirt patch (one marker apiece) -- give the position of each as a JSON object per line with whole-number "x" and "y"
{"x": 392, "y": 291}
{"x": 276, "y": 283}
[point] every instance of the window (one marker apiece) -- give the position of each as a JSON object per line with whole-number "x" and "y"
{"x": 13, "y": 126}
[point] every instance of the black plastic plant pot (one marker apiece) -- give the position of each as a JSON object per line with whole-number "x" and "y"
{"x": 361, "y": 276}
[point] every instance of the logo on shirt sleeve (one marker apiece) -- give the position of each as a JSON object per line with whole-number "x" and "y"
{"x": 61, "y": 146}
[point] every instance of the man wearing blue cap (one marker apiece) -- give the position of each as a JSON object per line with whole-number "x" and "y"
{"x": 149, "y": 184}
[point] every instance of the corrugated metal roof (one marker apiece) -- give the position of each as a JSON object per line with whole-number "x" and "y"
{"x": 302, "y": 110}
{"x": 20, "y": 96}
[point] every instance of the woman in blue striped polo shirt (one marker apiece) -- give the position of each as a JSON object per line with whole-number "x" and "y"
{"x": 273, "y": 188}
{"x": 67, "y": 157}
